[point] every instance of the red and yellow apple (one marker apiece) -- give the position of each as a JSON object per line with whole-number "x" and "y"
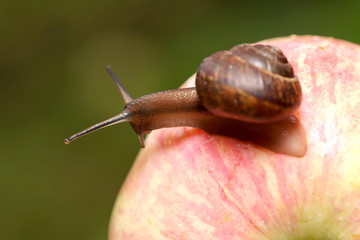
{"x": 188, "y": 184}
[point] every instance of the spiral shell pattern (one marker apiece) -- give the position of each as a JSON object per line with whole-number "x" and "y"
{"x": 252, "y": 83}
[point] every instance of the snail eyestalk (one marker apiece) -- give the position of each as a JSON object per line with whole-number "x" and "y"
{"x": 126, "y": 96}
{"x": 122, "y": 117}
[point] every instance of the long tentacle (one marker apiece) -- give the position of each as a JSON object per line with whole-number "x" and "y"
{"x": 122, "y": 117}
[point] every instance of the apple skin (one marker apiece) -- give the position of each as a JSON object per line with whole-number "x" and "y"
{"x": 188, "y": 184}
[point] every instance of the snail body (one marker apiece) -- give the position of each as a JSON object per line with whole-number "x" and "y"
{"x": 249, "y": 83}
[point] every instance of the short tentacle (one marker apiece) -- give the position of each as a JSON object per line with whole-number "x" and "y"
{"x": 126, "y": 96}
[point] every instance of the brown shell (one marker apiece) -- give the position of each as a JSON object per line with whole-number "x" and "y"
{"x": 252, "y": 83}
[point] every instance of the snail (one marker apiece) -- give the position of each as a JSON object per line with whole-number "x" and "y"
{"x": 249, "y": 85}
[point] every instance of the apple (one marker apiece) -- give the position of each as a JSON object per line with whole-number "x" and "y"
{"x": 188, "y": 184}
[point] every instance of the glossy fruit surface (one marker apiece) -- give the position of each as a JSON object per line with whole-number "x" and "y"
{"x": 187, "y": 184}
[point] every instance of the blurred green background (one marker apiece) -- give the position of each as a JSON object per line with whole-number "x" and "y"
{"x": 53, "y": 83}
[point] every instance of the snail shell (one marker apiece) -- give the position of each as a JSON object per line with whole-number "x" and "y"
{"x": 252, "y": 83}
